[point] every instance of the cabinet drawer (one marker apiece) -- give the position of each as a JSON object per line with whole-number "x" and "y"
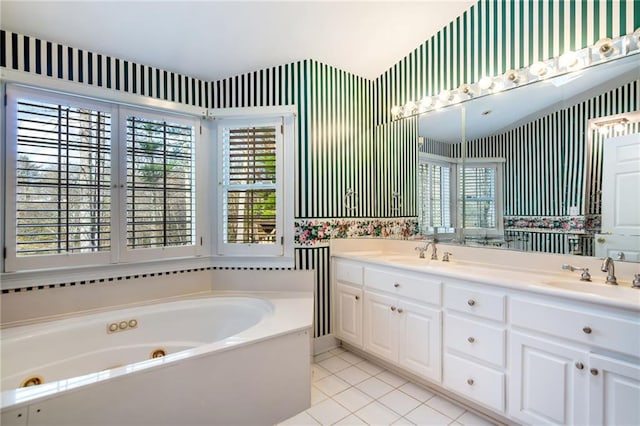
{"x": 475, "y": 301}
{"x": 481, "y": 341}
{"x": 406, "y": 285}
{"x": 594, "y": 329}
{"x": 475, "y": 381}
{"x": 346, "y": 271}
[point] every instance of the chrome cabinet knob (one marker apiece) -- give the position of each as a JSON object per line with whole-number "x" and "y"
{"x": 587, "y": 330}
{"x": 396, "y": 285}
{"x": 393, "y": 308}
{"x": 400, "y": 310}
{"x": 594, "y": 371}
{"x": 470, "y": 339}
{"x": 471, "y": 302}
{"x": 579, "y": 366}
{"x": 470, "y": 382}
{"x": 357, "y": 297}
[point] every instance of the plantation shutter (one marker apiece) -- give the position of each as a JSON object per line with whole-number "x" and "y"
{"x": 479, "y": 196}
{"x": 160, "y": 183}
{"x": 63, "y": 179}
{"x": 435, "y": 198}
{"x": 249, "y": 184}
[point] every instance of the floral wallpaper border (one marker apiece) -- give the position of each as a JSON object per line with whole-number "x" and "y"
{"x": 555, "y": 224}
{"x": 315, "y": 232}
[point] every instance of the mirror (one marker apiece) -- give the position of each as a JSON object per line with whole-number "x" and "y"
{"x": 525, "y": 165}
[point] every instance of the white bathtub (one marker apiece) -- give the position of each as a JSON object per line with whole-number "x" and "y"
{"x": 223, "y": 355}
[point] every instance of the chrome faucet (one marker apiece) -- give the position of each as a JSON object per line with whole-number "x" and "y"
{"x": 608, "y": 267}
{"x": 434, "y": 250}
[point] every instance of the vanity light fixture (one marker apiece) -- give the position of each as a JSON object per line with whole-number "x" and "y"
{"x": 604, "y": 50}
{"x": 604, "y": 126}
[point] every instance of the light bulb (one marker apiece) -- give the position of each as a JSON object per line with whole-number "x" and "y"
{"x": 619, "y": 128}
{"x": 570, "y": 60}
{"x": 395, "y": 110}
{"x": 539, "y": 69}
{"x": 426, "y": 102}
{"x": 409, "y": 107}
{"x": 603, "y": 130}
{"x": 604, "y": 46}
{"x": 445, "y": 95}
{"x": 512, "y": 76}
{"x": 485, "y": 83}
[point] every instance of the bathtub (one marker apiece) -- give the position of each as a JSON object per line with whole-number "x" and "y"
{"x": 210, "y": 360}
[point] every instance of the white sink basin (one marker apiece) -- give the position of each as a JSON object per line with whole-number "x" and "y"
{"x": 623, "y": 290}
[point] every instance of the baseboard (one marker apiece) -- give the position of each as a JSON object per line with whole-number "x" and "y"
{"x": 324, "y": 343}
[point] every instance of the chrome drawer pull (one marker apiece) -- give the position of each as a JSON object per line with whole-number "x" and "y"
{"x": 579, "y": 366}
{"x": 471, "y": 302}
{"x": 470, "y": 339}
{"x": 470, "y": 382}
{"x": 587, "y": 330}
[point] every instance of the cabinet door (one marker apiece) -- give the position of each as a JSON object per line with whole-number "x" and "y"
{"x": 420, "y": 339}
{"x": 380, "y": 325}
{"x": 349, "y": 310}
{"x": 614, "y": 392}
{"x": 548, "y": 383}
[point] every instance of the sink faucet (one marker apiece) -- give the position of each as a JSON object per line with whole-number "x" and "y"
{"x": 608, "y": 267}
{"x": 434, "y": 251}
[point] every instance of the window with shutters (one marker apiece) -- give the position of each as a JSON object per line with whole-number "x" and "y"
{"x": 93, "y": 183}
{"x": 434, "y": 196}
{"x": 479, "y": 184}
{"x": 160, "y": 182}
{"x": 250, "y": 186}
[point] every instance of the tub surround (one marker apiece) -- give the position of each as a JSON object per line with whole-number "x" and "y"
{"x": 510, "y": 334}
{"x": 224, "y": 376}
{"x": 25, "y": 307}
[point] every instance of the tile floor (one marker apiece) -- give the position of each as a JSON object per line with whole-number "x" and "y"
{"x": 349, "y": 390}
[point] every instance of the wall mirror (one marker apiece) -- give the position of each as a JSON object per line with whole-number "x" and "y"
{"x": 522, "y": 168}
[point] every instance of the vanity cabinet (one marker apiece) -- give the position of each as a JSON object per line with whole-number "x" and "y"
{"x": 531, "y": 357}
{"x": 475, "y": 343}
{"x": 402, "y": 320}
{"x": 569, "y": 365}
{"x": 348, "y": 301}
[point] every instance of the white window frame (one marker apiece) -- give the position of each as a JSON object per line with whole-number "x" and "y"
{"x": 280, "y": 254}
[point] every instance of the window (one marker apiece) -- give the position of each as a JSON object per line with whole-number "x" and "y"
{"x": 160, "y": 183}
{"x": 480, "y": 184}
{"x": 255, "y": 217}
{"x": 92, "y": 183}
{"x": 434, "y": 196}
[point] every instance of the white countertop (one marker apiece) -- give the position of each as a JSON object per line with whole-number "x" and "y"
{"x": 562, "y": 283}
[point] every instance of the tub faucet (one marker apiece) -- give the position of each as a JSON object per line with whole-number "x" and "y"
{"x": 608, "y": 267}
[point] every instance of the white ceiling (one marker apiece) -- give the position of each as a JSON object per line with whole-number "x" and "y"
{"x": 217, "y": 39}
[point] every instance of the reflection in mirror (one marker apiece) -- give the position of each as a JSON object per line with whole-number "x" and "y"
{"x": 540, "y": 141}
